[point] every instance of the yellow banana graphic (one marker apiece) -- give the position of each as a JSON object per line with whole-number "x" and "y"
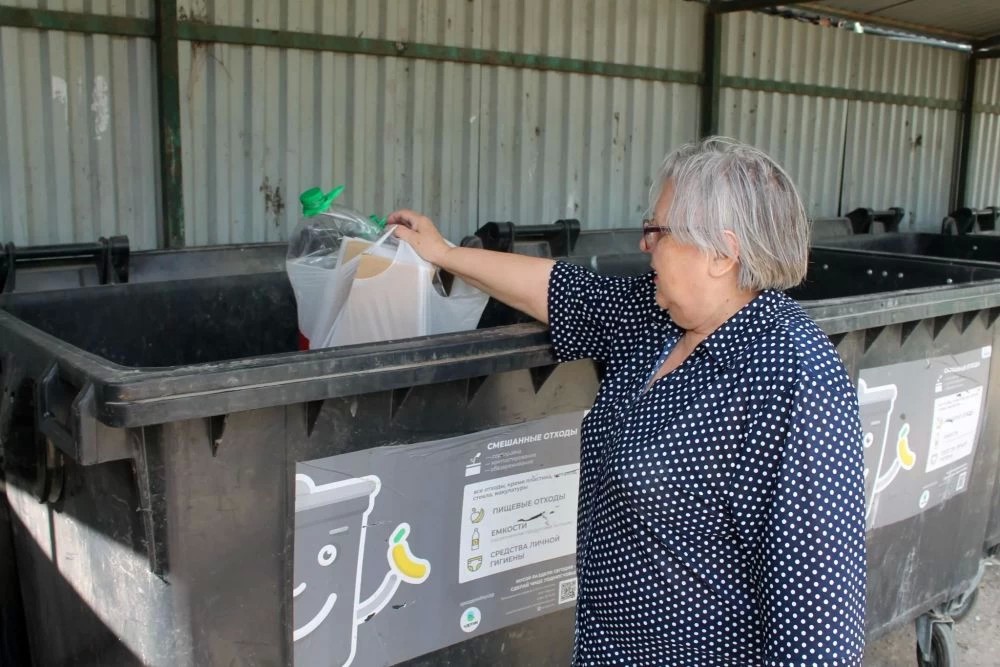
{"x": 411, "y": 569}
{"x": 906, "y": 457}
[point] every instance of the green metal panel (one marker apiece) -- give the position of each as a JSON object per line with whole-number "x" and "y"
{"x": 712, "y": 67}
{"x": 200, "y": 32}
{"x": 168, "y": 82}
{"x": 963, "y": 153}
{"x": 94, "y": 24}
{"x": 808, "y": 90}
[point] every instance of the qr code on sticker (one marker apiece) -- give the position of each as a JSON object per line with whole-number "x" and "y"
{"x": 567, "y": 590}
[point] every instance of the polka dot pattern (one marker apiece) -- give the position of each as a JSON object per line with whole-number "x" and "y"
{"x": 721, "y": 517}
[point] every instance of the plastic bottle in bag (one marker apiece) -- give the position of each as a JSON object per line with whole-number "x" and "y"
{"x": 313, "y": 252}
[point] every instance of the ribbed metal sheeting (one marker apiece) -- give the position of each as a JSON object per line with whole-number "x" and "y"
{"x": 843, "y": 152}
{"x": 805, "y": 134}
{"x": 464, "y": 143}
{"x": 903, "y": 155}
{"x": 78, "y": 138}
{"x": 984, "y": 164}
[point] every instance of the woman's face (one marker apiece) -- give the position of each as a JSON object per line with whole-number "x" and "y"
{"x": 684, "y": 286}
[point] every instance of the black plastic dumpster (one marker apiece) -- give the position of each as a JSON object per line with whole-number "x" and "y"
{"x": 194, "y": 491}
{"x": 973, "y": 249}
{"x": 110, "y": 261}
{"x": 979, "y": 248}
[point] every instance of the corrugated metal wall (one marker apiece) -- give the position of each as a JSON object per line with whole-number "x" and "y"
{"x": 846, "y": 153}
{"x": 805, "y": 134}
{"x": 984, "y": 166}
{"x": 560, "y": 145}
{"x": 464, "y": 143}
{"x": 260, "y": 125}
{"x": 78, "y": 138}
{"x": 903, "y": 155}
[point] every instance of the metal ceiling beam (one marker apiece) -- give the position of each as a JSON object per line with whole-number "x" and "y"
{"x": 724, "y": 6}
{"x": 895, "y": 24}
{"x": 987, "y": 45}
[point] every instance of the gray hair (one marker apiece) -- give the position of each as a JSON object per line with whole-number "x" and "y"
{"x": 722, "y": 184}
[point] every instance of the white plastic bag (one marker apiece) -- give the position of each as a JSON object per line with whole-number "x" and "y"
{"x": 315, "y": 249}
{"x": 393, "y": 294}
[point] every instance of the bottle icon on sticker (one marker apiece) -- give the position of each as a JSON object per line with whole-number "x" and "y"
{"x": 475, "y": 539}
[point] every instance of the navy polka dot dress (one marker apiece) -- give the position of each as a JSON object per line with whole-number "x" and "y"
{"x": 722, "y": 511}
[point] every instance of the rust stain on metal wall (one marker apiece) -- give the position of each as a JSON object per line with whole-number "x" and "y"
{"x": 274, "y": 202}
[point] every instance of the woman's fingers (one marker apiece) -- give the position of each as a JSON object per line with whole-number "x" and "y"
{"x": 406, "y": 218}
{"x": 419, "y": 232}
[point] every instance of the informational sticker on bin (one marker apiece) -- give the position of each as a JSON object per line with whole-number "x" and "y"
{"x": 920, "y": 424}
{"x": 402, "y": 550}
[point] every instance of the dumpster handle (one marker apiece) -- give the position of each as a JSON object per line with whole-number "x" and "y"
{"x": 560, "y": 235}
{"x": 66, "y": 415}
{"x": 110, "y": 256}
{"x": 47, "y": 401}
{"x": 967, "y": 220}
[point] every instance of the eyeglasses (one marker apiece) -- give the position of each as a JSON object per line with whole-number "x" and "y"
{"x": 652, "y": 232}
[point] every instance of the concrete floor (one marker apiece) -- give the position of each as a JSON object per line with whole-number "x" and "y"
{"x": 977, "y": 635}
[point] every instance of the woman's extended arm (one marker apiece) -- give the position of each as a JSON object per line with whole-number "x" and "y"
{"x": 519, "y": 281}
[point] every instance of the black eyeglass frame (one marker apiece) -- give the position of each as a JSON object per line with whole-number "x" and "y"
{"x": 652, "y": 233}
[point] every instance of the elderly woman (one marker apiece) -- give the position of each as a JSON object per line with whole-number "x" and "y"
{"x": 722, "y": 495}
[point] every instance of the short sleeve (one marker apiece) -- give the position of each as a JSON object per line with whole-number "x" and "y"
{"x": 798, "y": 501}
{"x": 585, "y": 310}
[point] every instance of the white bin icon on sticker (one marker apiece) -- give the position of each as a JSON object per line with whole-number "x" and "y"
{"x": 876, "y": 408}
{"x": 330, "y": 525}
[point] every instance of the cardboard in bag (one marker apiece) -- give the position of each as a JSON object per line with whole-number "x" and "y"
{"x": 396, "y": 294}
{"x": 379, "y": 293}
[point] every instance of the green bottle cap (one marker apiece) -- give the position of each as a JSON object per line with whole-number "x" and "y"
{"x": 314, "y": 201}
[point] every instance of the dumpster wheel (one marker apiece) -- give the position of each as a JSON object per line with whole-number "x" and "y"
{"x": 943, "y": 649}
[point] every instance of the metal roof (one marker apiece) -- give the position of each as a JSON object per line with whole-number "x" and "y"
{"x": 972, "y": 22}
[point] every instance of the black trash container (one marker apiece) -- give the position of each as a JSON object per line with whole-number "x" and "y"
{"x": 195, "y": 491}
{"x": 110, "y": 261}
{"x": 979, "y": 248}
{"x": 102, "y": 262}
{"x": 974, "y": 248}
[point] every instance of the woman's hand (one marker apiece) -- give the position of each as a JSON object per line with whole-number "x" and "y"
{"x": 520, "y": 281}
{"x": 420, "y": 233}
